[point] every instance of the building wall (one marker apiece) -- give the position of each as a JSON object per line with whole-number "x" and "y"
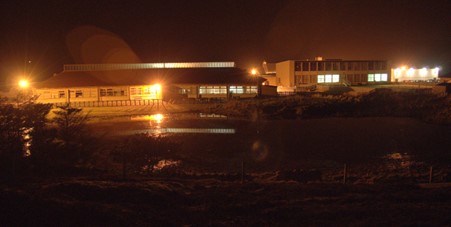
{"x": 413, "y": 74}
{"x": 142, "y": 93}
{"x": 285, "y": 74}
{"x": 305, "y": 73}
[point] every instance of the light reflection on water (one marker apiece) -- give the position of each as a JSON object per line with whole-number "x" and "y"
{"x": 398, "y": 160}
{"x": 157, "y": 125}
{"x": 26, "y": 136}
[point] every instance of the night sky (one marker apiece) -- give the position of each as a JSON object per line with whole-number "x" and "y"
{"x": 34, "y": 34}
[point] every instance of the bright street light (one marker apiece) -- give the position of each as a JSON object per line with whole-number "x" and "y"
{"x": 24, "y": 84}
{"x": 254, "y": 71}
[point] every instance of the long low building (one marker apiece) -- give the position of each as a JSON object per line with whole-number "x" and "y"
{"x": 145, "y": 83}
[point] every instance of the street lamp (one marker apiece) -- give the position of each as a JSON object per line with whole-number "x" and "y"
{"x": 254, "y": 71}
{"x": 23, "y": 84}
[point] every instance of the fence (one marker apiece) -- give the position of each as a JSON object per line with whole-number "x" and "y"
{"x": 112, "y": 103}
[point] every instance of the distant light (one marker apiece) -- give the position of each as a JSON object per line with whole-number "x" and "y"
{"x": 156, "y": 88}
{"x": 397, "y": 72}
{"x": 423, "y": 71}
{"x": 23, "y": 83}
{"x": 403, "y": 67}
{"x": 435, "y": 71}
{"x": 157, "y": 117}
{"x": 410, "y": 72}
{"x": 254, "y": 71}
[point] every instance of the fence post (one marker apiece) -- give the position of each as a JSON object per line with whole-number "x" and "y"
{"x": 431, "y": 171}
{"x": 345, "y": 173}
{"x": 242, "y": 172}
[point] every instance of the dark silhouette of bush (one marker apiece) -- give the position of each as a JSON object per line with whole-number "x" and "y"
{"x": 138, "y": 154}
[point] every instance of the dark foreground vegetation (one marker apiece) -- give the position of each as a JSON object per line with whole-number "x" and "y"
{"x": 180, "y": 202}
{"x": 54, "y": 171}
{"x": 380, "y": 103}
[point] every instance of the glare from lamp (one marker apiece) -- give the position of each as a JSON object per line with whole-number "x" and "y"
{"x": 23, "y": 83}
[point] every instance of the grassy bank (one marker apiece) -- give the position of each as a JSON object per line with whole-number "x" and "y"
{"x": 178, "y": 202}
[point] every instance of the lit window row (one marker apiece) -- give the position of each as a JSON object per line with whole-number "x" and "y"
{"x": 95, "y": 67}
{"x": 328, "y": 78}
{"x": 243, "y": 89}
{"x": 213, "y": 90}
{"x": 112, "y": 92}
{"x": 378, "y": 77}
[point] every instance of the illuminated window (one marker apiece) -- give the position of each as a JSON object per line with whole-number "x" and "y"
{"x": 236, "y": 89}
{"x": 251, "y": 89}
{"x": 377, "y": 77}
{"x": 320, "y": 78}
{"x": 370, "y": 77}
{"x": 184, "y": 91}
{"x": 213, "y": 90}
{"x": 78, "y": 93}
{"x": 384, "y": 77}
{"x": 335, "y": 78}
{"x": 61, "y": 94}
{"x": 328, "y": 78}
{"x": 136, "y": 91}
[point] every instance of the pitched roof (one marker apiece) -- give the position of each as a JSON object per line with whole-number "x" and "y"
{"x": 150, "y": 76}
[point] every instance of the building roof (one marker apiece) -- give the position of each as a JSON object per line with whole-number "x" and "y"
{"x": 227, "y": 75}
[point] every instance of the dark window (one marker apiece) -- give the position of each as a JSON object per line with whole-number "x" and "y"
{"x": 305, "y": 66}
{"x": 320, "y": 66}
{"x": 61, "y": 94}
{"x": 297, "y": 66}
{"x": 313, "y": 66}
{"x": 371, "y": 65}
{"x": 102, "y": 92}
{"x": 328, "y": 66}
{"x": 78, "y": 93}
{"x": 343, "y": 66}
{"x": 336, "y": 65}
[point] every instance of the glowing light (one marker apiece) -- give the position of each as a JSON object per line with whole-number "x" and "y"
{"x": 410, "y": 72}
{"x": 157, "y": 117}
{"x": 193, "y": 130}
{"x": 403, "y": 68}
{"x": 435, "y": 71}
{"x": 156, "y": 88}
{"x": 423, "y": 72}
{"x": 397, "y": 72}
{"x": 254, "y": 71}
{"x": 23, "y": 83}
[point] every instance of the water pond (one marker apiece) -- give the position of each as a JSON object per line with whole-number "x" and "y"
{"x": 221, "y": 143}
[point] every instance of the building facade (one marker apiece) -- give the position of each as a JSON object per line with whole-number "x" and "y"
{"x": 146, "y": 83}
{"x": 293, "y": 75}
